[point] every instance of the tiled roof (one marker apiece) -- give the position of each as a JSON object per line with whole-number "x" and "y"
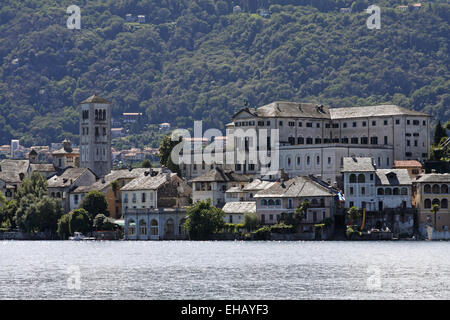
{"x": 95, "y": 99}
{"x": 10, "y": 177}
{"x": 148, "y": 182}
{"x": 17, "y": 166}
{"x": 407, "y": 163}
{"x": 358, "y": 164}
{"x": 69, "y": 176}
{"x": 372, "y": 111}
{"x": 240, "y": 207}
{"x": 221, "y": 175}
{"x": 295, "y": 187}
{"x": 257, "y": 185}
{"x": 434, "y": 177}
{"x": 392, "y": 177}
{"x": 42, "y": 167}
{"x": 293, "y": 109}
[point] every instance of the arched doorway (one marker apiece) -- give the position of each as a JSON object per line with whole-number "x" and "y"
{"x": 169, "y": 229}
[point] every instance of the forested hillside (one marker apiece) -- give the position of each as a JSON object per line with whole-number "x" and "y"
{"x": 197, "y": 60}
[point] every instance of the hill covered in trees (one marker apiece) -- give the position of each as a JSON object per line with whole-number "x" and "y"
{"x": 196, "y": 60}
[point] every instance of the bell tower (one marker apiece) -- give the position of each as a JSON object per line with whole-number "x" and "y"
{"x": 95, "y": 135}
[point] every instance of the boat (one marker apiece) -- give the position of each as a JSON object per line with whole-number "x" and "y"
{"x": 78, "y": 236}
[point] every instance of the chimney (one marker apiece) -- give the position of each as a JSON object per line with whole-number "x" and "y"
{"x": 284, "y": 175}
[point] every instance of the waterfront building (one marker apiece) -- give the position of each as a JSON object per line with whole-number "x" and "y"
{"x": 366, "y": 186}
{"x": 314, "y": 139}
{"x": 113, "y": 196}
{"x": 431, "y": 189}
{"x": 235, "y": 211}
{"x": 154, "y": 207}
{"x": 287, "y": 195}
{"x": 95, "y": 135}
{"x": 214, "y": 184}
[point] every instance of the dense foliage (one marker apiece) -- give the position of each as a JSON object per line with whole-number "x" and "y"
{"x": 197, "y": 60}
{"x": 94, "y": 202}
{"x": 32, "y": 210}
{"x": 203, "y": 219}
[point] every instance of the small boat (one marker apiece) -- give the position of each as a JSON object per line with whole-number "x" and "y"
{"x": 78, "y": 236}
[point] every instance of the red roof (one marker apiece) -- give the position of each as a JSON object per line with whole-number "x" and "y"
{"x": 407, "y": 163}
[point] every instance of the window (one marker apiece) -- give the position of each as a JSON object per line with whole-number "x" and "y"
{"x": 385, "y": 122}
{"x": 280, "y": 123}
{"x": 364, "y": 123}
{"x": 329, "y": 160}
{"x": 363, "y": 190}
{"x": 308, "y": 160}
{"x": 354, "y": 124}
{"x": 335, "y": 125}
{"x": 268, "y": 123}
{"x": 318, "y": 141}
{"x": 397, "y": 121}
{"x": 424, "y": 123}
{"x": 408, "y": 143}
{"x": 408, "y": 122}
{"x": 134, "y": 197}
{"x": 318, "y": 160}
{"x": 327, "y": 125}
{"x": 345, "y": 140}
{"x": 416, "y": 143}
{"x": 351, "y": 191}
{"x": 131, "y": 227}
{"x": 143, "y": 197}
{"x": 298, "y": 160}
{"x": 142, "y": 227}
{"x": 385, "y": 140}
{"x": 309, "y": 140}
{"x": 352, "y": 178}
{"x": 364, "y": 140}
{"x": 291, "y": 140}
{"x": 318, "y": 125}
{"x": 354, "y": 140}
{"x": 291, "y": 123}
{"x": 416, "y": 122}
{"x": 104, "y": 131}
{"x": 345, "y": 124}
{"x": 300, "y": 124}
{"x": 261, "y": 123}
{"x": 300, "y": 140}
{"x": 154, "y": 228}
{"x": 374, "y": 140}
{"x": 361, "y": 178}
{"x": 374, "y": 123}
{"x": 309, "y": 124}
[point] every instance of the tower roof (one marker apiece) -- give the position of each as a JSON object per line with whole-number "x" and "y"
{"x": 95, "y": 99}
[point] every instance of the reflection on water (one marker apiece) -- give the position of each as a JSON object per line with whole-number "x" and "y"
{"x": 224, "y": 270}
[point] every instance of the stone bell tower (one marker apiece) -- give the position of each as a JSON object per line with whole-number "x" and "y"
{"x": 95, "y": 135}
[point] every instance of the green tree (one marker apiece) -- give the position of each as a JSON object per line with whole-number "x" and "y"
{"x": 439, "y": 133}
{"x": 102, "y": 222}
{"x": 63, "y": 230}
{"x": 35, "y": 210}
{"x": 146, "y": 164}
{"x": 95, "y": 203}
{"x": 80, "y": 221}
{"x": 203, "y": 220}
{"x": 251, "y": 221}
{"x": 353, "y": 214}
{"x": 165, "y": 150}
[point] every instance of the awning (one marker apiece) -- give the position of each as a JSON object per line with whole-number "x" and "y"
{"x": 120, "y": 222}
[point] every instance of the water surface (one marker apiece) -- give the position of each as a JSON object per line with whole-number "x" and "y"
{"x": 224, "y": 270}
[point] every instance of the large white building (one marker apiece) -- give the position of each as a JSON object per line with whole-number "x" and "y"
{"x": 314, "y": 139}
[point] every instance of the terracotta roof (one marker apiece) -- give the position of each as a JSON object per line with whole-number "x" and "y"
{"x": 95, "y": 99}
{"x": 407, "y": 163}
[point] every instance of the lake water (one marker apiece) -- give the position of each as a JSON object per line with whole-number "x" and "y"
{"x": 224, "y": 270}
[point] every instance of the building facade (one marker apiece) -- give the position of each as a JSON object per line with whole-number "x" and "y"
{"x": 314, "y": 139}
{"x": 431, "y": 189}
